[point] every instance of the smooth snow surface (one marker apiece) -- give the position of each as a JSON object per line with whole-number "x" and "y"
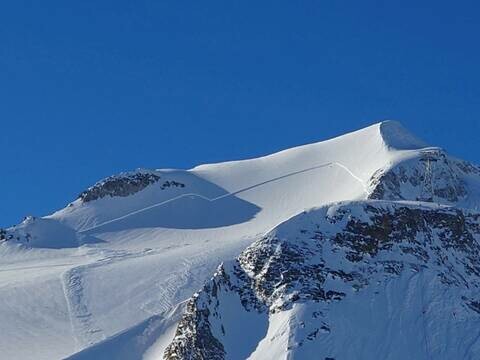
{"x": 397, "y": 137}
{"x": 108, "y": 272}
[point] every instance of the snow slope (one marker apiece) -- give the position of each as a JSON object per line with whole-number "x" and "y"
{"x": 134, "y": 246}
{"x": 271, "y": 183}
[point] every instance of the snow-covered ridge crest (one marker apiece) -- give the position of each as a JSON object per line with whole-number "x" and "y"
{"x": 388, "y": 133}
{"x": 352, "y": 158}
{"x": 395, "y": 136}
{"x": 382, "y": 161}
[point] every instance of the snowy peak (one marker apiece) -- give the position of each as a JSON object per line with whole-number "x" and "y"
{"x": 382, "y": 161}
{"x": 371, "y": 230}
{"x": 311, "y": 287}
{"x": 395, "y": 136}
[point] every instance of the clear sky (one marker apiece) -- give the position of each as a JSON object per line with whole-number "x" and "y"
{"x": 92, "y": 88}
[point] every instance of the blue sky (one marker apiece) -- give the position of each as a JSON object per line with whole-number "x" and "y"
{"x": 92, "y": 88}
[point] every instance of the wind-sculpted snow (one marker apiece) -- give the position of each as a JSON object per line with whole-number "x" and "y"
{"x": 325, "y": 261}
{"x": 397, "y": 137}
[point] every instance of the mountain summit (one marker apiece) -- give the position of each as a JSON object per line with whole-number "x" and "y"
{"x": 364, "y": 246}
{"x": 397, "y": 137}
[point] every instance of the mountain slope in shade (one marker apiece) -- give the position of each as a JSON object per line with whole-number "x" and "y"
{"x": 112, "y": 266}
{"x": 365, "y": 280}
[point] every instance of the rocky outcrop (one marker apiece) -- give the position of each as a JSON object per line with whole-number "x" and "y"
{"x": 3, "y": 234}
{"x": 329, "y": 254}
{"x": 194, "y": 338}
{"x": 430, "y": 176}
{"x": 125, "y": 184}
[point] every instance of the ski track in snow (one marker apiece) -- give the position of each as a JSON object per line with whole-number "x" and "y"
{"x": 82, "y": 321}
{"x": 83, "y": 325}
{"x": 84, "y": 329}
{"x": 177, "y": 285}
{"x": 193, "y": 195}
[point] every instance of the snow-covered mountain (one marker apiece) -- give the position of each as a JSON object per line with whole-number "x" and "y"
{"x": 360, "y": 247}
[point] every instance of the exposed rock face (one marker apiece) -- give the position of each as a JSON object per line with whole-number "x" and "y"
{"x": 3, "y": 234}
{"x": 194, "y": 338}
{"x": 124, "y": 185}
{"x": 330, "y": 254}
{"x": 431, "y": 176}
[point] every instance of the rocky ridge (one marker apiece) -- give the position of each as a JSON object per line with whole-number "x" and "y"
{"x": 125, "y": 184}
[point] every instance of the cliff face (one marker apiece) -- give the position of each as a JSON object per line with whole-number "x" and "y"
{"x": 344, "y": 256}
{"x": 430, "y": 175}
